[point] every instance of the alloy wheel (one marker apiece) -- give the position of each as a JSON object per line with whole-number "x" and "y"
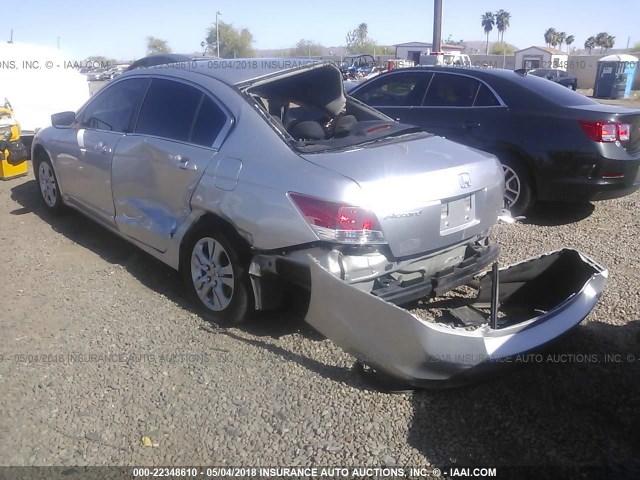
{"x": 212, "y": 274}
{"x": 47, "y": 184}
{"x": 512, "y": 186}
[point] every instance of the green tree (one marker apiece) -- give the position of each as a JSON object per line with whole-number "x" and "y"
{"x": 358, "y": 41}
{"x": 156, "y": 46}
{"x": 306, "y": 48}
{"x": 608, "y": 42}
{"x": 488, "y": 21}
{"x": 450, "y": 41}
{"x": 601, "y": 39}
{"x": 234, "y": 43}
{"x": 502, "y": 18}
{"x": 550, "y": 37}
{"x": 562, "y": 36}
{"x": 590, "y": 44}
{"x": 569, "y": 40}
{"x": 500, "y": 48}
{"x": 635, "y": 48}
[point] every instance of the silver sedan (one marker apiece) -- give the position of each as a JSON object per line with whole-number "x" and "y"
{"x": 249, "y": 175}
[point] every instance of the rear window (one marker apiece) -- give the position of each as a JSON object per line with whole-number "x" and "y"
{"x": 550, "y": 91}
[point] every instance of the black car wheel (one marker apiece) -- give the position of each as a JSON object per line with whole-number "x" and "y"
{"x": 518, "y": 191}
{"x": 216, "y": 278}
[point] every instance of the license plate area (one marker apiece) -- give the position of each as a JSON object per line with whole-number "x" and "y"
{"x": 458, "y": 214}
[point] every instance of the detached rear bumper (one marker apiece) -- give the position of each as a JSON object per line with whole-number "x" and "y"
{"x": 541, "y": 298}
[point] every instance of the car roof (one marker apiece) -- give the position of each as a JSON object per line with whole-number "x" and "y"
{"x": 232, "y": 71}
{"x": 507, "y": 84}
{"x": 479, "y": 72}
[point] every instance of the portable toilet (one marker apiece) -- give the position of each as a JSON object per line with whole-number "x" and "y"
{"x": 614, "y": 76}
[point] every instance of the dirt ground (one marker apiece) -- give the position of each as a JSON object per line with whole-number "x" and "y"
{"x": 100, "y": 350}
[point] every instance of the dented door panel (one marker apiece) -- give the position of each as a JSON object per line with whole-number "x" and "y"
{"x": 153, "y": 181}
{"x": 557, "y": 290}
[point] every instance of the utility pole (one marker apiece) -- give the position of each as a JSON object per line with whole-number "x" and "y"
{"x": 58, "y": 40}
{"x": 217, "y": 35}
{"x": 437, "y": 26}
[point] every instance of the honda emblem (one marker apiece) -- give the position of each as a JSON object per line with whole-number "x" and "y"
{"x": 465, "y": 180}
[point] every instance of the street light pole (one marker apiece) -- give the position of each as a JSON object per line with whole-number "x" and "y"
{"x": 437, "y": 26}
{"x": 217, "y": 35}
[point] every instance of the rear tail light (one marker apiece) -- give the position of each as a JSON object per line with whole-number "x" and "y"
{"x": 606, "y": 132}
{"x": 337, "y": 222}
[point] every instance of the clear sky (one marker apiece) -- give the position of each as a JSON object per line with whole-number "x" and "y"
{"x": 118, "y": 28}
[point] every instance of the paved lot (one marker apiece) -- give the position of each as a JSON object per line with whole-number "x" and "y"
{"x": 100, "y": 348}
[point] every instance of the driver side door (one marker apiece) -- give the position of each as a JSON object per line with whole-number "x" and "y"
{"x": 105, "y": 120}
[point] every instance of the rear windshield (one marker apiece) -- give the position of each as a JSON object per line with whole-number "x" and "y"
{"x": 551, "y": 92}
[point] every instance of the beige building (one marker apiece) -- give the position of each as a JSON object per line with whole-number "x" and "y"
{"x": 541, "y": 57}
{"x": 412, "y": 50}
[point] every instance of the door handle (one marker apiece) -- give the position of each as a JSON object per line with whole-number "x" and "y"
{"x": 183, "y": 163}
{"x": 471, "y": 124}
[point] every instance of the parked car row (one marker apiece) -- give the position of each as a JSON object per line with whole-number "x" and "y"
{"x": 249, "y": 180}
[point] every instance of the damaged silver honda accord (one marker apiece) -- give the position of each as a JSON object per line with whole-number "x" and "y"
{"x": 248, "y": 175}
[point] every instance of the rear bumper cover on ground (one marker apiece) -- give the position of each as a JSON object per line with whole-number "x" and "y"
{"x": 541, "y": 298}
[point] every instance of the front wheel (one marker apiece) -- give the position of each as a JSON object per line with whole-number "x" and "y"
{"x": 518, "y": 192}
{"x": 217, "y": 279}
{"x": 48, "y": 184}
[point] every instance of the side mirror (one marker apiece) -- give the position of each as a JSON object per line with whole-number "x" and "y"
{"x": 63, "y": 119}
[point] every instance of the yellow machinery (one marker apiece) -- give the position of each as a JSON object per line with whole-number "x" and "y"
{"x": 13, "y": 154}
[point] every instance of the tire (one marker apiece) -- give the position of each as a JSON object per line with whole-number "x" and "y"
{"x": 518, "y": 195}
{"x": 47, "y": 182}
{"x": 216, "y": 277}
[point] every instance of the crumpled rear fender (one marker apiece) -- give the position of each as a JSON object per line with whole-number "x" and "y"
{"x": 557, "y": 290}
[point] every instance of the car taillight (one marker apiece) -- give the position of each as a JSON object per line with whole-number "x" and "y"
{"x": 339, "y": 222}
{"x": 606, "y": 132}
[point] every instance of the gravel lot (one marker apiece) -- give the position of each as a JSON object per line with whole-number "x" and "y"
{"x": 274, "y": 392}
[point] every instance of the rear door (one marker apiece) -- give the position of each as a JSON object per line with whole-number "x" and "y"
{"x": 156, "y": 169}
{"x": 462, "y": 108}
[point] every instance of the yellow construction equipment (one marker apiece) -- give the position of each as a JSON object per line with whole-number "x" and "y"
{"x": 13, "y": 153}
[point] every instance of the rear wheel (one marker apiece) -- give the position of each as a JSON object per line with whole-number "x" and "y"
{"x": 217, "y": 278}
{"x": 47, "y": 184}
{"x": 518, "y": 192}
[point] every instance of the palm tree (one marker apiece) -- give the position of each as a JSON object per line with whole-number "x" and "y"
{"x": 502, "y": 18}
{"x": 549, "y": 36}
{"x": 569, "y": 40}
{"x": 561, "y": 38}
{"x": 362, "y": 32}
{"x": 488, "y": 21}
{"x": 608, "y": 42}
{"x": 590, "y": 44}
{"x": 601, "y": 39}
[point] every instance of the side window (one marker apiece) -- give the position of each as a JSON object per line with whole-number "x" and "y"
{"x": 485, "y": 98}
{"x": 395, "y": 90}
{"x": 180, "y": 112}
{"x": 451, "y": 91}
{"x": 562, "y": 74}
{"x": 209, "y": 121}
{"x": 113, "y": 109}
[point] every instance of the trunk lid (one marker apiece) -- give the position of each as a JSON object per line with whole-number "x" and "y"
{"x": 427, "y": 193}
